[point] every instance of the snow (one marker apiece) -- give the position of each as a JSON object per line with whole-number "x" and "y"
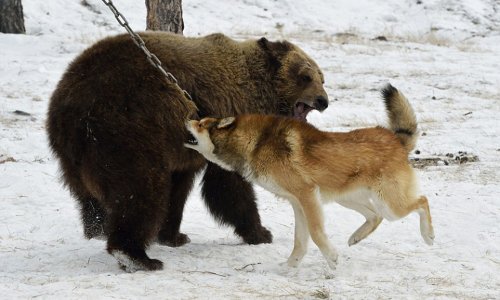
{"x": 444, "y": 55}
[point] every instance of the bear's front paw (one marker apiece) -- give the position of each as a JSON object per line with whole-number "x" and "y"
{"x": 176, "y": 240}
{"x": 257, "y": 236}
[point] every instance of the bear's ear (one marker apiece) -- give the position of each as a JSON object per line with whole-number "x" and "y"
{"x": 274, "y": 49}
{"x": 226, "y": 122}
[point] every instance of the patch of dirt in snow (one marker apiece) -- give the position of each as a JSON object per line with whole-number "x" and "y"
{"x": 444, "y": 160}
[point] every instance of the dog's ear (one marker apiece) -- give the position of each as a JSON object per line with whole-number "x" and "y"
{"x": 208, "y": 122}
{"x": 225, "y": 123}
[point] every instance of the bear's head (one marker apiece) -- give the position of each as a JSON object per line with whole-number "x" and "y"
{"x": 298, "y": 80}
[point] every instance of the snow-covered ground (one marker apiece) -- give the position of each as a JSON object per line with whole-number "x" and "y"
{"x": 443, "y": 54}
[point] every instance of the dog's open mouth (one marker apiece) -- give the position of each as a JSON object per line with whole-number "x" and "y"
{"x": 191, "y": 140}
{"x": 301, "y": 110}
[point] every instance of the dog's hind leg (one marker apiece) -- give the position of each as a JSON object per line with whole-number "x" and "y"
{"x": 360, "y": 202}
{"x": 426, "y": 229}
{"x": 371, "y": 223}
{"x": 313, "y": 210}
{"x": 301, "y": 236}
{"x": 393, "y": 201}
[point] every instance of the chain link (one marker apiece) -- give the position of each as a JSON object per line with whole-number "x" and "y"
{"x": 153, "y": 59}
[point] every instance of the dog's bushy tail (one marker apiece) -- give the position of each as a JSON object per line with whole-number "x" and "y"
{"x": 402, "y": 120}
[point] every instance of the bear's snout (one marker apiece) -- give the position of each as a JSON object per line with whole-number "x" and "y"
{"x": 320, "y": 103}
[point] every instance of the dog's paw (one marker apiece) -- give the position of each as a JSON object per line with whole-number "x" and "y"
{"x": 429, "y": 238}
{"x": 293, "y": 262}
{"x": 332, "y": 264}
{"x": 427, "y": 233}
{"x": 353, "y": 240}
{"x": 332, "y": 260}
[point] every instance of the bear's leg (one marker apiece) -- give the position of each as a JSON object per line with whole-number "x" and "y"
{"x": 128, "y": 246}
{"x": 139, "y": 205}
{"x": 182, "y": 183}
{"x": 130, "y": 232}
{"x": 93, "y": 216}
{"x": 231, "y": 201}
{"x": 92, "y": 213}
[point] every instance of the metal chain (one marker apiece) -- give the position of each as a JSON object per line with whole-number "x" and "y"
{"x": 153, "y": 59}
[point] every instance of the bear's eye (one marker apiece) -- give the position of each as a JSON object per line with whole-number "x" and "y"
{"x": 306, "y": 78}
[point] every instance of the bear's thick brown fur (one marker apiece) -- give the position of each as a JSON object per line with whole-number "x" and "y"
{"x": 118, "y": 128}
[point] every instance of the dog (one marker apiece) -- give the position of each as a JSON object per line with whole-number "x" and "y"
{"x": 366, "y": 170}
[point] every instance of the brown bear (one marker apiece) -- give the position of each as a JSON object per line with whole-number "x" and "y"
{"x": 117, "y": 127}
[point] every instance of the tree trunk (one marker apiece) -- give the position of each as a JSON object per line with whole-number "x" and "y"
{"x": 164, "y": 15}
{"x": 11, "y": 16}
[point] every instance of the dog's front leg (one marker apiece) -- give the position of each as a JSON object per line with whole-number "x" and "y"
{"x": 301, "y": 235}
{"x": 313, "y": 210}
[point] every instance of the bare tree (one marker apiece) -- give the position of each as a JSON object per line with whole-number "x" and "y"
{"x": 164, "y": 15}
{"x": 11, "y": 16}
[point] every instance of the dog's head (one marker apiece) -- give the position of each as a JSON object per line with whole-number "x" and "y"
{"x": 209, "y": 136}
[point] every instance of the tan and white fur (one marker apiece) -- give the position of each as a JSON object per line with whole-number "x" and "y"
{"x": 366, "y": 170}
